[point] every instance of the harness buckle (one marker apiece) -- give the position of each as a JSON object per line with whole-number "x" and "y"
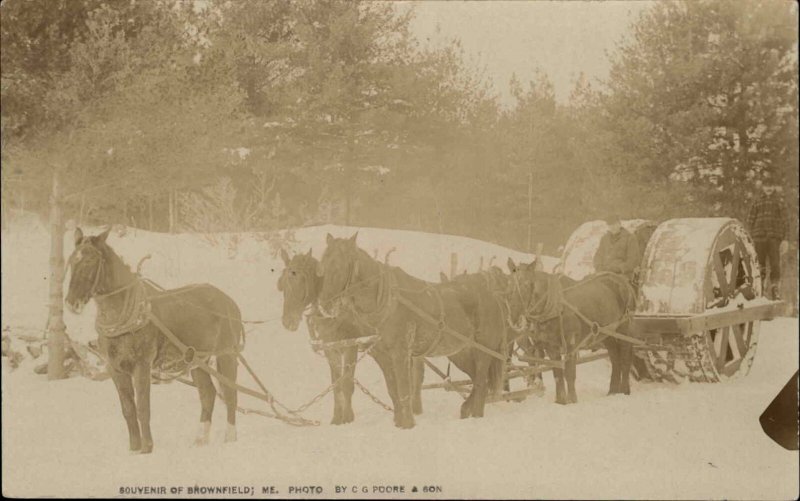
{"x": 189, "y": 354}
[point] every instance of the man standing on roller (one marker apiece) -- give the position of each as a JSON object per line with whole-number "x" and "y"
{"x": 769, "y": 228}
{"x": 618, "y": 251}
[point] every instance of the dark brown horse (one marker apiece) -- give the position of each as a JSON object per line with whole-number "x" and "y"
{"x": 201, "y": 316}
{"x": 414, "y": 318}
{"x": 538, "y": 300}
{"x": 300, "y": 286}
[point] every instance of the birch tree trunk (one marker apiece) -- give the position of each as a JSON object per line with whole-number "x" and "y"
{"x": 171, "y": 206}
{"x": 56, "y": 334}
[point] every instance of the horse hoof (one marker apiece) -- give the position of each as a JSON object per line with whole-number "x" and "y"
{"x": 147, "y": 449}
{"x": 200, "y": 442}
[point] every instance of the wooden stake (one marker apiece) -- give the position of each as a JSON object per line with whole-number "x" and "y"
{"x": 56, "y": 337}
{"x": 150, "y": 212}
{"x": 530, "y": 210}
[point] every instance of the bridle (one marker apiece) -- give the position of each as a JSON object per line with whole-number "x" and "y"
{"x": 308, "y": 275}
{"x": 93, "y": 292}
{"x": 545, "y": 308}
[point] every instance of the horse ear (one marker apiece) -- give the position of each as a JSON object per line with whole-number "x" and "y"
{"x": 103, "y": 236}
{"x": 443, "y": 277}
{"x": 353, "y": 238}
{"x": 511, "y": 266}
{"x": 329, "y": 239}
{"x": 78, "y": 236}
{"x": 285, "y": 257}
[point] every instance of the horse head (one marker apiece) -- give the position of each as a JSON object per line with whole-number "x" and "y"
{"x": 300, "y": 287}
{"x": 339, "y": 269}
{"x": 527, "y": 291}
{"x": 93, "y": 266}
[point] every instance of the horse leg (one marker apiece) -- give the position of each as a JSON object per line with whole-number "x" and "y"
{"x": 124, "y": 385}
{"x": 418, "y": 375}
{"x": 208, "y": 394}
{"x": 509, "y": 355}
{"x": 228, "y": 366}
{"x": 537, "y": 380}
{"x": 347, "y": 385}
{"x": 401, "y": 360}
{"x": 385, "y": 363}
{"x": 626, "y": 360}
{"x": 334, "y": 358}
{"x": 141, "y": 383}
{"x": 480, "y": 384}
{"x": 614, "y": 356}
{"x": 468, "y": 367}
{"x": 570, "y": 366}
{"x": 558, "y": 375}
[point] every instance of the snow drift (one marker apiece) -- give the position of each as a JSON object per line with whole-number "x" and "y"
{"x": 68, "y": 438}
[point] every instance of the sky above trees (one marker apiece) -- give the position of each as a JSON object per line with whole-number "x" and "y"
{"x": 560, "y": 38}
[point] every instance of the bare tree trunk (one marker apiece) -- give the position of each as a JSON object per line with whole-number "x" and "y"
{"x": 150, "y": 212}
{"x": 349, "y": 176}
{"x": 530, "y": 211}
{"x": 176, "y": 212}
{"x": 56, "y": 334}
{"x": 171, "y": 211}
{"x": 80, "y": 212}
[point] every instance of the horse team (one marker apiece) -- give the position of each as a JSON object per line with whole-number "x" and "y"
{"x": 474, "y": 320}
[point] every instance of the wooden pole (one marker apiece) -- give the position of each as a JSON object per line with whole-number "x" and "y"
{"x": 80, "y": 212}
{"x": 453, "y": 264}
{"x": 530, "y": 211}
{"x": 171, "y": 213}
{"x": 56, "y": 333}
{"x": 150, "y": 212}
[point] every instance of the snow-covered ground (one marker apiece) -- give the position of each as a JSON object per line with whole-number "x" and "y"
{"x": 68, "y": 438}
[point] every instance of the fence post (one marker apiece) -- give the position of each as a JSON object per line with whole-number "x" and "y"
{"x": 453, "y": 264}
{"x": 539, "y": 265}
{"x": 56, "y": 330}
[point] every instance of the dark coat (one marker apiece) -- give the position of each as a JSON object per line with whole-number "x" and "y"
{"x": 767, "y": 218}
{"x": 618, "y": 253}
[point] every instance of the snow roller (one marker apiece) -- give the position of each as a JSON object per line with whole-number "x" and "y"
{"x": 699, "y": 303}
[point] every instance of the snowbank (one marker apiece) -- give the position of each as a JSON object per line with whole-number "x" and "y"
{"x": 68, "y": 438}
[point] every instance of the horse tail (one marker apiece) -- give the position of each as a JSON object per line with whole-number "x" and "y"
{"x": 235, "y": 325}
